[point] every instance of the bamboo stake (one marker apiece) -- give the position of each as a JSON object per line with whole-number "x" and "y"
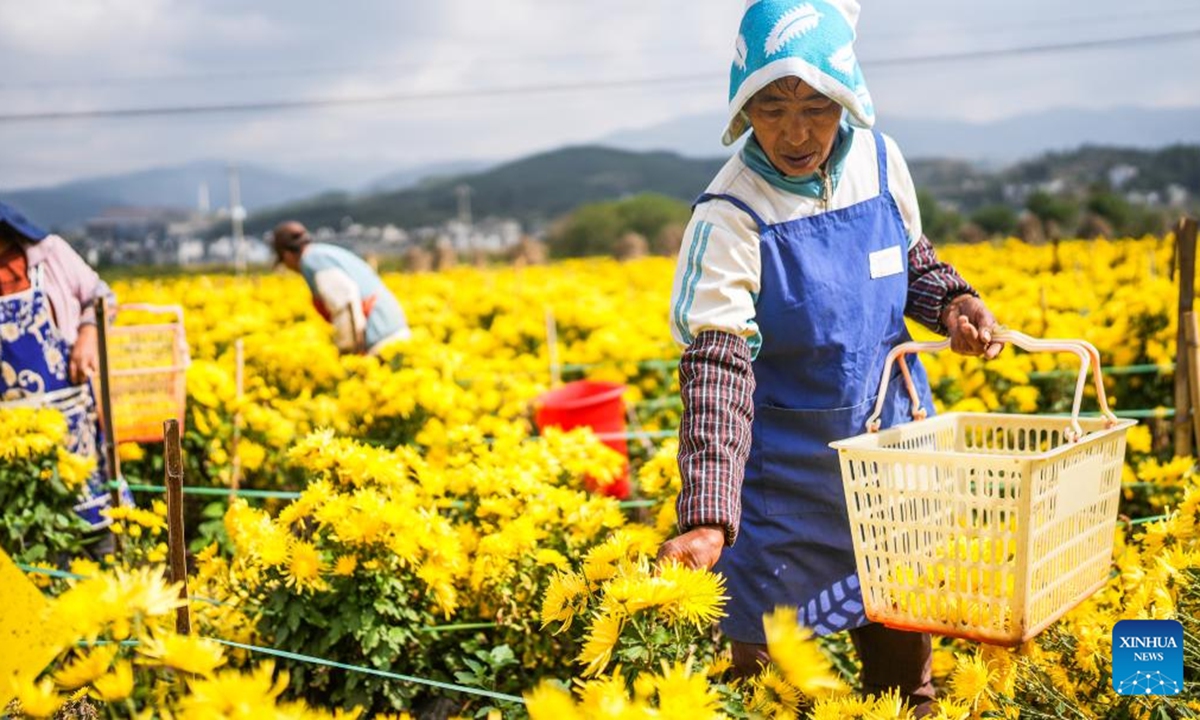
{"x": 175, "y": 534}
{"x": 239, "y": 380}
{"x": 112, "y": 460}
{"x": 1044, "y": 304}
{"x": 552, "y": 347}
{"x": 1185, "y": 252}
{"x": 1192, "y": 329}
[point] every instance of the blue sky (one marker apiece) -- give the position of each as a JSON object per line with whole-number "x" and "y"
{"x": 67, "y": 55}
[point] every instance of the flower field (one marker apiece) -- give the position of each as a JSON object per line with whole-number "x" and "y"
{"x": 406, "y": 541}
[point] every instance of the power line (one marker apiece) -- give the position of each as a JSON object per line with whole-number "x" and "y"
{"x": 342, "y": 102}
{"x": 1059, "y": 24}
{"x": 1074, "y": 23}
{"x": 269, "y": 73}
{"x": 546, "y": 89}
{"x": 1035, "y": 49}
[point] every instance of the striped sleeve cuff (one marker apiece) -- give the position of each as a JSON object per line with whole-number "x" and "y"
{"x": 717, "y": 385}
{"x": 932, "y": 284}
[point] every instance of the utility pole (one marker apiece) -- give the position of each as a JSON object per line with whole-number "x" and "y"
{"x": 237, "y": 214}
{"x": 463, "y": 192}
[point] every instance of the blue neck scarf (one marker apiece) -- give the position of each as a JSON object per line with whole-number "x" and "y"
{"x": 809, "y": 186}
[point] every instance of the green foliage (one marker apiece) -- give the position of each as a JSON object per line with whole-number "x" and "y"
{"x": 937, "y": 222}
{"x": 372, "y": 620}
{"x": 594, "y": 229}
{"x": 1052, "y": 208}
{"x": 590, "y": 230}
{"x": 1111, "y": 207}
{"x": 996, "y": 219}
{"x": 39, "y": 522}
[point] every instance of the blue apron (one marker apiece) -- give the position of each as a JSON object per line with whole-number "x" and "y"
{"x": 33, "y": 372}
{"x": 827, "y": 326}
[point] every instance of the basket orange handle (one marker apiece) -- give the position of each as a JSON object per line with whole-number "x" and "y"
{"x": 908, "y": 348}
{"x": 1087, "y": 353}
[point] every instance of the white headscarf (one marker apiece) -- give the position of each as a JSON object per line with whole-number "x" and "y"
{"x": 809, "y": 39}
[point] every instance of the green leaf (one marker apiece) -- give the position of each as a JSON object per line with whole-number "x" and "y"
{"x": 502, "y": 655}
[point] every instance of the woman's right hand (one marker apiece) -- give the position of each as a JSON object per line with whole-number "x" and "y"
{"x": 698, "y": 548}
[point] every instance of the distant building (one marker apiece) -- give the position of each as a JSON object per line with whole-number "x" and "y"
{"x": 1120, "y": 175}
{"x": 134, "y": 236}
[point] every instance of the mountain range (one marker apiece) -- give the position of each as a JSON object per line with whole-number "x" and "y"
{"x": 995, "y": 144}
{"x": 70, "y": 204}
{"x": 675, "y": 158}
{"x": 533, "y": 190}
{"x": 545, "y": 186}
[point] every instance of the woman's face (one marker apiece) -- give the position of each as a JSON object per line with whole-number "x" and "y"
{"x": 795, "y": 124}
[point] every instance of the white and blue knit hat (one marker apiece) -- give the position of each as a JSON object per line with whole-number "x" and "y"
{"x": 810, "y": 39}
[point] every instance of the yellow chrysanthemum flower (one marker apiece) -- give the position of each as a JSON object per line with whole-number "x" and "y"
{"x": 684, "y": 695}
{"x": 700, "y": 593}
{"x": 189, "y": 653}
{"x": 38, "y": 700}
{"x": 601, "y": 639}
{"x": 304, "y": 566}
{"x": 345, "y": 565}
{"x": 231, "y": 693}
{"x": 550, "y": 702}
{"x": 794, "y": 650}
{"x": 116, "y": 685}
{"x": 566, "y": 597}
{"x": 971, "y": 680}
{"x": 771, "y": 696}
{"x": 86, "y": 667}
{"x": 547, "y": 556}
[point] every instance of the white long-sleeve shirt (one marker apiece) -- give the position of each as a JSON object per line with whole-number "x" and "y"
{"x": 717, "y": 278}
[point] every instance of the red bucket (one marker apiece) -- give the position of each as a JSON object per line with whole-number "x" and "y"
{"x": 597, "y": 405}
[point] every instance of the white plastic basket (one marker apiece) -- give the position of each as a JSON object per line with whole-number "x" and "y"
{"x": 148, "y": 373}
{"x": 984, "y": 526}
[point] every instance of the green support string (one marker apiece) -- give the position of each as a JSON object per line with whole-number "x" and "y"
{"x": 290, "y": 495}
{"x": 196, "y": 490}
{"x": 459, "y": 626}
{"x": 1121, "y": 370}
{"x": 330, "y": 663}
{"x": 372, "y": 671}
{"x": 50, "y": 572}
{"x": 1144, "y": 520}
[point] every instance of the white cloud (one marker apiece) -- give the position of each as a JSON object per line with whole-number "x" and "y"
{"x": 311, "y": 49}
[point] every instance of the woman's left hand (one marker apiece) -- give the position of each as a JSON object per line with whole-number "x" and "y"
{"x": 971, "y": 325}
{"x": 85, "y": 356}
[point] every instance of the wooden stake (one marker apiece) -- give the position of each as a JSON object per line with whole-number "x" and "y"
{"x": 552, "y": 346}
{"x": 112, "y": 460}
{"x": 1192, "y": 331}
{"x": 106, "y": 414}
{"x": 1185, "y": 252}
{"x": 1045, "y": 306}
{"x": 239, "y": 380}
{"x": 175, "y": 534}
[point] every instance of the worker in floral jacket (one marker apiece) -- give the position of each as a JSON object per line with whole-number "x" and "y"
{"x": 48, "y": 346}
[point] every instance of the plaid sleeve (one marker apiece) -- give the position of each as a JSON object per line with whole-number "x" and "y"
{"x": 717, "y": 385}
{"x": 931, "y": 285}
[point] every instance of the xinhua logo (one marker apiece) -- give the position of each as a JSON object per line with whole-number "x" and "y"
{"x": 1147, "y": 657}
